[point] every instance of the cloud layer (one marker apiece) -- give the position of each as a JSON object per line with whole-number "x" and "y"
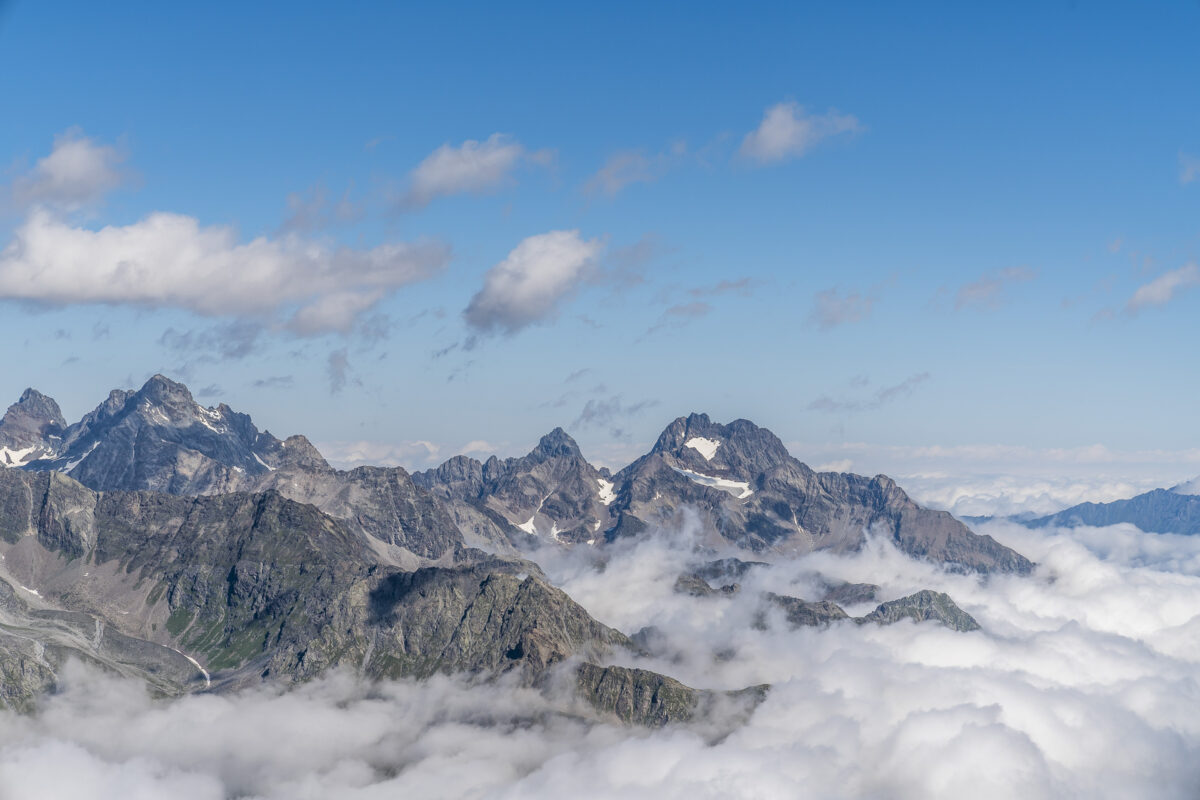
{"x": 1082, "y": 683}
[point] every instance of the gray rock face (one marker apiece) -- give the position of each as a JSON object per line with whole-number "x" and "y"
{"x": 1157, "y": 511}
{"x": 159, "y": 439}
{"x": 803, "y": 613}
{"x": 751, "y": 493}
{"x": 32, "y": 428}
{"x": 253, "y": 586}
{"x": 924, "y": 605}
{"x": 552, "y": 493}
{"x": 919, "y": 607}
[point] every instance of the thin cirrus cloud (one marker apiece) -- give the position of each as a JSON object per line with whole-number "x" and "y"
{"x": 472, "y": 167}
{"x": 171, "y": 261}
{"x": 77, "y": 172}
{"x": 988, "y": 290}
{"x": 788, "y": 131}
{"x": 628, "y": 167}
{"x": 1189, "y": 168}
{"x": 530, "y": 284}
{"x": 831, "y": 308}
{"x": 1163, "y": 289}
{"x": 872, "y": 401}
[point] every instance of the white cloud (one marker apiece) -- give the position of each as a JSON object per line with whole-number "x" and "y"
{"x": 994, "y": 479}
{"x": 987, "y": 291}
{"x": 471, "y": 168}
{"x": 1189, "y": 168}
{"x": 1083, "y": 682}
{"x": 1163, "y": 289}
{"x": 77, "y": 172}
{"x": 831, "y": 309}
{"x": 621, "y": 170}
{"x": 527, "y": 286}
{"x": 170, "y": 260}
{"x": 633, "y": 166}
{"x": 788, "y": 131}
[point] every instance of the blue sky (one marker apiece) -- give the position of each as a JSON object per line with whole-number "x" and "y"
{"x": 897, "y": 226}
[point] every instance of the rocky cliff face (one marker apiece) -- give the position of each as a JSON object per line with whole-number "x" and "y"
{"x": 748, "y": 490}
{"x": 552, "y": 493}
{"x": 254, "y": 586}
{"x": 31, "y": 429}
{"x": 160, "y": 439}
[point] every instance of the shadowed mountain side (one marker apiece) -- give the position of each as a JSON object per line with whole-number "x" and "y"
{"x": 751, "y": 493}
{"x": 1157, "y": 511}
{"x": 253, "y": 586}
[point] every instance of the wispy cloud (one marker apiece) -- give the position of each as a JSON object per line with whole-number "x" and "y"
{"x": 1163, "y": 289}
{"x": 315, "y": 210}
{"x": 988, "y": 290}
{"x": 831, "y": 308}
{"x": 337, "y": 369}
{"x": 228, "y": 342}
{"x": 610, "y": 412}
{"x": 1189, "y": 168}
{"x": 869, "y": 402}
{"x": 788, "y": 131}
{"x": 275, "y": 382}
{"x": 472, "y": 167}
{"x": 628, "y": 167}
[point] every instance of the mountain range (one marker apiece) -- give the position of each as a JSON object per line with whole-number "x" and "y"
{"x": 1174, "y": 510}
{"x": 178, "y": 544}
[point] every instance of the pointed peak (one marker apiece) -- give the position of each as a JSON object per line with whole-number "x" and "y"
{"x": 37, "y": 405}
{"x": 556, "y": 443}
{"x": 162, "y": 386}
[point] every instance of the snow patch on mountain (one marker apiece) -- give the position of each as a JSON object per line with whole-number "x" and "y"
{"x": 739, "y": 489}
{"x": 705, "y": 447}
{"x": 607, "y": 495}
{"x": 14, "y": 458}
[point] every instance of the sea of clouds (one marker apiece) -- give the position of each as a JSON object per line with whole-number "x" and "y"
{"x": 1083, "y": 682}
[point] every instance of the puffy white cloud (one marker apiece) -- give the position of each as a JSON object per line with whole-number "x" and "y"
{"x": 77, "y": 172}
{"x": 171, "y": 261}
{"x": 528, "y": 286}
{"x": 1164, "y": 288}
{"x": 472, "y": 167}
{"x": 788, "y": 131}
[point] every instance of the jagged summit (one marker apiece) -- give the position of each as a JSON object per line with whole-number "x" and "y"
{"x": 739, "y": 447}
{"x": 31, "y": 429}
{"x": 557, "y": 443}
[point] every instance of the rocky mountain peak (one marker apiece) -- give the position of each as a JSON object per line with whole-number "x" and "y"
{"x": 31, "y": 429}
{"x": 555, "y": 444}
{"x": 34, "y": 404}
{"x": 741, "y": 447}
